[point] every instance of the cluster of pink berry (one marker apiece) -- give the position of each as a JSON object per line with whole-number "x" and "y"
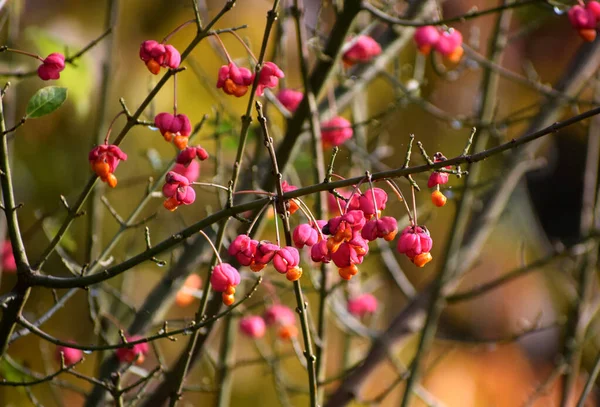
{"x": 585, "y": 19}
{"x": 348, "y": 234}
{"x": 284, "y": 319}
{"x": 342, "y": 239}
{"x": 447, "y": 42}
{"x": 236, "y": 81}
{"x": 258, "y": 254}
{"x": 278, "y": 316}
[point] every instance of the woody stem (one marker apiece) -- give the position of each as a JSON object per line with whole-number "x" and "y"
{"x": 211, "y": 245}
{"x": 111, "y": 126}
{"x": 169, "y": 35}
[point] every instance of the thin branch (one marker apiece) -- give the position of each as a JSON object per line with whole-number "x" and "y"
{"x": 67, "y": 282}
{"x": 468, "y": 16}
{"x": 183, "y": 331}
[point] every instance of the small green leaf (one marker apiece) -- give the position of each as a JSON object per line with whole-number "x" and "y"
{"x": 45, "y": 101}
{"x": 51, "y": 226}
{"x": 11, "y": 373}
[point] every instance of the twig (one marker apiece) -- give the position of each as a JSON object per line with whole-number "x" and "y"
{"x": 302, "y": 306}
{"x": 22, "y": 289}
{"x": 589, "y": 384}
{"x": 183, "y": 331}
{"x": 66, "y": 282}
{"x": 578, "y": 322}
{"x": 45, "y": 379}
{"x": 318, "y": 175}
{"x": 468, "y": 16}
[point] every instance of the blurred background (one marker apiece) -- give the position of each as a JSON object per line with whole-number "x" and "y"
{"x": 471, "y": 366}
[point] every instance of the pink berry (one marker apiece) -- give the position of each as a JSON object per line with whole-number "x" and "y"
{"x": 363, "y": 304}
{"x": 51, "y": 66}
{"x": 336, "y": 132}
{"x": 224, "y": 276}
{"x": 133, "y": 353}
{"x": 285, "y": 259}
{"x": 9, "y": 264}
{"x": 363, "y": 49}
{"x": 253, "y": 326}
{"x": 305, "y": 235}
{"x": 426, "y": 38}
{"x": 71, "y": 355}
{"x": 279, "y": 315}
{"x": 290, "y": 99}
{"x": 268, "y": 77}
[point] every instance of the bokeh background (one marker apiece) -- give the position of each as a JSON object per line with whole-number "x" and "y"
{"x": 471, "y": 367}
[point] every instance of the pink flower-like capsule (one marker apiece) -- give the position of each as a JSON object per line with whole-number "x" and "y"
{"x": 362, "y": 305}
{"x": 188, "y": 154}
{"x": 191, "y": 172}
{"x": 414, "y": 240}
{"x": 353, "y": 220}
{"x": 268, "y": 77}
{"x": 104, "y": 160}
{"x": 286, "y": 187}
{"x": 178, "y": 191}
{"x": 176, "y": 128}
{"x": 363, "y": 50}
{"x": 157, "y": 55}
{"x": 224, "y": 279}
{"x": 594, "y": 8}
{"x": 290, "y": 99}
{"x": 342, "y": 228}
{"x": 234, "y": 80}
{"x": 285, "y": 259}
{"x": 437, "y": 178}
{"x": 133, "y": 353}
{"x": 9, "y": 264}
{"x": 71, "y": 355}
{"x": 351, "y": 252}
{"x": 320, "y": 252}
{"x": 336, "y": 132}
{"x": 265, "y": 251}
{"x": 332, "y": 201}
{"x": 51, "y": 66}
{"x": 283, "y": 318}
{"x": 243, "y": 248}
{"x": 385, "y": 227}
{"x": 365, "y": 201}
{"x": 450, "y": 45}
{"x": 286, "y": 262}
{"x": 425, "y": 38}
{"x": 305, "y": 235}
{"x": 253, "y": 326}
{"x": 584, "y": 20}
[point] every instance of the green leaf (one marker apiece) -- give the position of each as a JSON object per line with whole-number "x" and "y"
{"x": 11, "y": 373}
{"x": 45, "y": 101}
{"x": 51, "y": 226}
